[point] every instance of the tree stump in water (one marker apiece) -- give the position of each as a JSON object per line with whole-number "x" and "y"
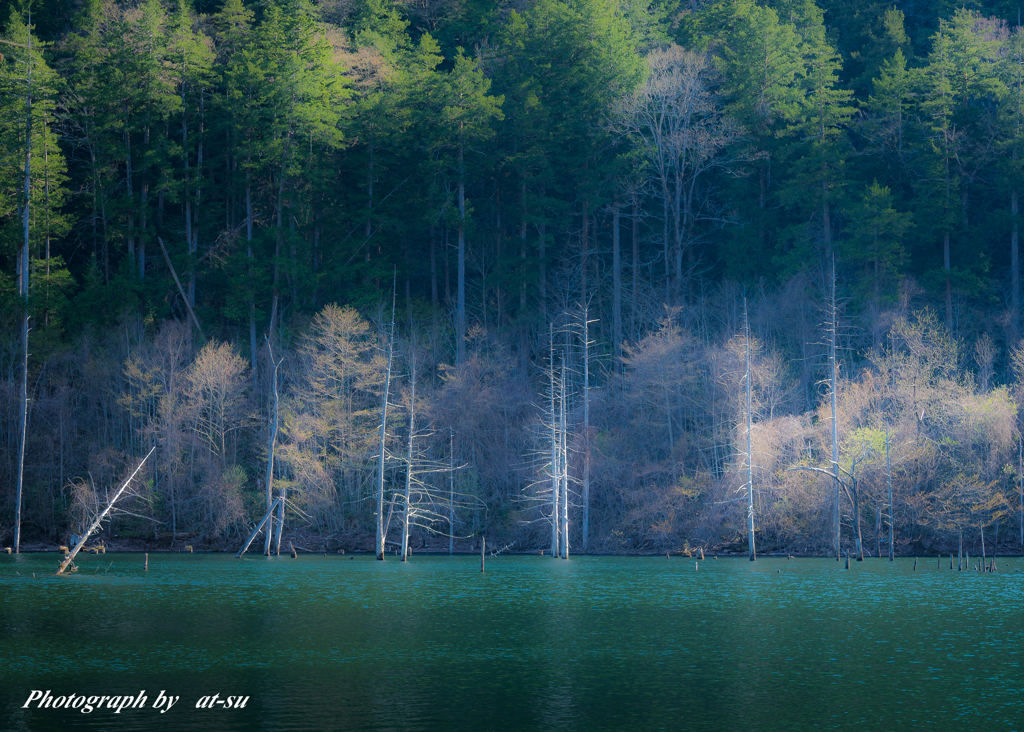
{"x": 295, "y": 554}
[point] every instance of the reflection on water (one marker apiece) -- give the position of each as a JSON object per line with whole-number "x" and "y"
{"x": 343, "y": 643}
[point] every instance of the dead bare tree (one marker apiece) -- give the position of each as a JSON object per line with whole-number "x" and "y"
{"x": 271, "y": 444}
{"x": 103, "y": 514}
{"x": 379, "y": 543}
{"x": 751, "y": 549}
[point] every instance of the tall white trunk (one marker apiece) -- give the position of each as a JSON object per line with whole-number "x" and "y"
{"x": 250, "y": 277}
{"x": 888, "y": 479}
{"x": 751, "y": 548}
{"x": 271, "y": 444}
{"x": 832, "y": 389}
{"x": 460, "y": 307}
{"x": 23, "y": 290}
{"x": 616, "y": 293}
{"x": 383, "y": 433}
{"x": 451, "y": 490}
{"x": 556, "y": 471}
{"x": 564, "y": 461}
{"x": 586, "y": 428}
{"x": 408, "y": 466}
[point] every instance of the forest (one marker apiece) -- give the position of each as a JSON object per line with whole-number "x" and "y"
{"x": 607, "y": 276}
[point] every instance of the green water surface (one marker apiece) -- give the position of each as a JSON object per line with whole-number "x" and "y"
{"x": 594, "y": 643}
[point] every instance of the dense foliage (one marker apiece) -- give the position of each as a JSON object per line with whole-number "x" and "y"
{"x": 584, "y": 199}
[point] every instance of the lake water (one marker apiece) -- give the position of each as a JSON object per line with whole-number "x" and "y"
{"x": 595, "y": 643}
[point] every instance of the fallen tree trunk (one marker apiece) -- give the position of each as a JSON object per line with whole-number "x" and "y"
{"x": 259, "y": 526}
{"x": 99, "y": 519}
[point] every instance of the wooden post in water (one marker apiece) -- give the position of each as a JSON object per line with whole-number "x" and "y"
{"x": 702, "y": 554}
{"x": 295, "y": 554}
{"x": 847, "y": 560}
{"x": 483, "y": 544}
{"x": 915, "y": 563}
{"x": 145, "y": 564}
{"x": 951, "y": 561}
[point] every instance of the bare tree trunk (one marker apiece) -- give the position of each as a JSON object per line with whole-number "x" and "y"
{"x": 751, "y": 547}
{"x": 255, "y": 531}
{"x": 586, "y": 429}
{"x": 433, "y": 273}
{"x": 832, "y": 389}
{"x": 556, "y": 470}
{"x": 856, "y": 519}
{"x": 451, "y": 490}
{"x": 1014, "y": 266}
{"x": 460, "y": 307}
{"x": 636, "y": 267}
{"x": 949, "y": 283}
{"x": 664, "y": 233}
{"x": 383, "y": 432}
{"x": 99, "y": 519}
{"x": 130, "y": 186}
{"x": 542, "y": 243}
{"x": 878, "y": 530}
{"x": 408, "y": 465}
{"x": 271, "y": 444}
{"x": 826, "y": 217}
{"x": 251, "y": 278}
{"x": 278, "y": 241}
{"x": 143, "y": 213}
{"x": 565, "y": 473}
{"x": 888, "y": 480}
{"x": 522, "y": 251}
{"x": 616, "y": 293}
{"x": 181, "y": 291}
{"x": 584, "y": 255}
{"x": 24, "y": 260}
{"x": 187, "y": 194}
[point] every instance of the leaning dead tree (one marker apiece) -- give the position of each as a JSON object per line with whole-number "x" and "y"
{"x": 255, "y": 531}
{"x": 103, "y": 514}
